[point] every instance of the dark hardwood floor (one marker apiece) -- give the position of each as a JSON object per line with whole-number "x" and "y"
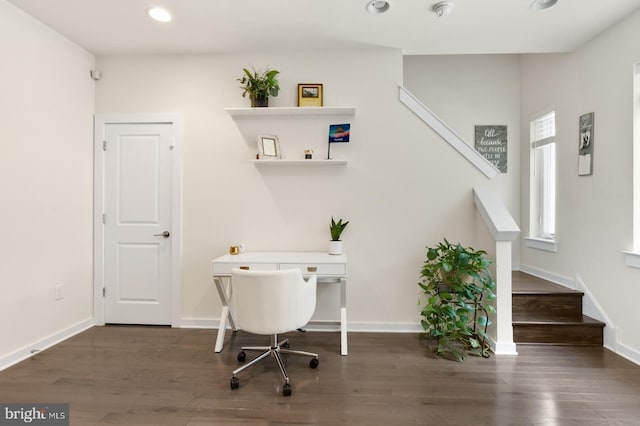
{"x": 133, "y": 375}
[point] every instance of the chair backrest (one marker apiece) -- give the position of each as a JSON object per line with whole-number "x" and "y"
{"x": 272, "y": 302}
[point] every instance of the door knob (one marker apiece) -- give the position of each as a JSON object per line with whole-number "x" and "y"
{"x": 165, "y": 234}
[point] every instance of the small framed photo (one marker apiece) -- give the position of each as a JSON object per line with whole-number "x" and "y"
{"x": 309, "y": 95}
{"x": 268, "y": 147}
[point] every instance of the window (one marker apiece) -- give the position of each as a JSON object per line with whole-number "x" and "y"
{"x": 632, "y": 258}
{"x": 542, "y": 218}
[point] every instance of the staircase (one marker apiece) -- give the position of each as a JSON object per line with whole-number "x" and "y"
{"x": 547, "y": 313}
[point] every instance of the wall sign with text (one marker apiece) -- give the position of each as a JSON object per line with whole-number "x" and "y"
{"x": 491, "y": 142}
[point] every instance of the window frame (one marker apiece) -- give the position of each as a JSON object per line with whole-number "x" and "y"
{"x": 543, "y": 182}
{"x": 632, "y": 257}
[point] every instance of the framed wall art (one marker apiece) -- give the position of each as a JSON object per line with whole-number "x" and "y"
{"x": 310, "y": 95}
{"x": 585, "y": 145}
{"x": 491, "y": 142}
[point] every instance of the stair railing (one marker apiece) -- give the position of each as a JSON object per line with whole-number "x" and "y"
{"x": 504, "y": 231}
{"x": 451, "y": 137}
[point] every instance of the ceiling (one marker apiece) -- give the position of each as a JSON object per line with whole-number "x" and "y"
{"x": 111, "y": 27}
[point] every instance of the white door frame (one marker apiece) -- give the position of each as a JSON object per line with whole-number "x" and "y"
{"x": 100, "y": 122}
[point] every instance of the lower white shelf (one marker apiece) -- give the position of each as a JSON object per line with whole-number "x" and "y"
{"x": 310, "y": 163}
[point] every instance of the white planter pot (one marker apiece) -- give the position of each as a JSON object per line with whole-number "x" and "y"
{"x": 335, "y": 247}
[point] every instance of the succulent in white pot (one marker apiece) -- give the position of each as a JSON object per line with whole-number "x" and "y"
{"x": 336, "y": 229}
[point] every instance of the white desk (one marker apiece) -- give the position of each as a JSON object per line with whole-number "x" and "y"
{"x": 328, "y": 268}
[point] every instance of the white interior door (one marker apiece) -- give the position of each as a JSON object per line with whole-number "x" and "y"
{"x": 137, "y": 223}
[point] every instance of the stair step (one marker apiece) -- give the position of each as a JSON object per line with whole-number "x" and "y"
{"x": 567, "y": 304}
{"x": 547, "y": 313}
{"x": 550, "y": 330}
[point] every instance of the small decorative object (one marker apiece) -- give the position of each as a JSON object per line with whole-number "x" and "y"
{"x": 338, "y": 133}
{"x": 336, "y": 229}
{"x": 233, "y": 250}
{"x": 491, "y": 142}
{"x": 268, "y": 147}
{"x": 259, "y": 85}
{"x": 308, "y": 154}
{"x": 309, "y": 95}
{"x": 585, "y": 145}
{"x": 460, "y": 297}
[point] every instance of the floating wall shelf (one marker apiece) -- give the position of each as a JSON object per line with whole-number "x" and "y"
{"x": 290, "y": 111}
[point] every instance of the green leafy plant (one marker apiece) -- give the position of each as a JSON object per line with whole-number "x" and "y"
{"x": 459, "y": 298}
{"x": 336, "y": 228}
{"x": 259, "y": 85}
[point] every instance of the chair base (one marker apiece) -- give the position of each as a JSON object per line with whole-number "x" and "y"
{"x": 275, "y": 350}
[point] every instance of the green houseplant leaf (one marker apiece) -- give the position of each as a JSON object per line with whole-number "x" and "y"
{"x": 459, "y": 298}
{"x": 336, "y": 228}
{"x": 259, "y": 84}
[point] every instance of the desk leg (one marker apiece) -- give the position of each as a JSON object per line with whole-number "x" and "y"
{"x": 343, "y": 316}
{"x": 224, "y": 314}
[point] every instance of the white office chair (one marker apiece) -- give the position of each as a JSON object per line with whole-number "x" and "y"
{"x": 272, "y": 302}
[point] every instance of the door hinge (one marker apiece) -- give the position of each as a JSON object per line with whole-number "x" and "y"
{"x": 104, "y": 145}
{"x": 104, "y": 292}
{"x": 104, "y": 218}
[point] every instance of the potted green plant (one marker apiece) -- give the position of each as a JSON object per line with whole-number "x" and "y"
{"x": 259, "y": 85}
{"x": 459, "y": 298}
{"x": 336, "y": 229}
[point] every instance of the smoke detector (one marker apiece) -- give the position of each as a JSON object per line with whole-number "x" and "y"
{"x": 442, "y": 9}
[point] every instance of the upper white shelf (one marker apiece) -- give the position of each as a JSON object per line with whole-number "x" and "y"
{"x": 290, "y": 111}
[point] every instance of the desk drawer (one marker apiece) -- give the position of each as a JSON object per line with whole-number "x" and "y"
{"x": 225, "y": 268}
{"x": 320, "y": 269}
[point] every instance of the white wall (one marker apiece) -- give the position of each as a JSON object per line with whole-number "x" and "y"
{"x": 594, "y": 213}
{"x": 469, "y": 90}
{"x": 402, "y": 189}
{"x": 46, "y": 179}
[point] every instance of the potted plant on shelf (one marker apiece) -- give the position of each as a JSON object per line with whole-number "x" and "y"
{"x": 259, "y": 85}
{"x": 336, "y": 229}
{"x": 460, "y": 296}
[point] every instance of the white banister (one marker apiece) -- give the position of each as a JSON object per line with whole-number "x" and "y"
{"x": 439, "y": 126}
{"x": 504, "y": 230}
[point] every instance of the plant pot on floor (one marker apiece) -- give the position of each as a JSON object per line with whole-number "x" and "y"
{"x": 335, "y": 247}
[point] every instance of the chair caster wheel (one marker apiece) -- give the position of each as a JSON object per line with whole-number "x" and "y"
{"x": 314, "y": 363}
{"x": 286, "y": 389}
{"x": 242, "y": 356}
{"x": 285, "y": 345}
{"x": 235, "y": 383}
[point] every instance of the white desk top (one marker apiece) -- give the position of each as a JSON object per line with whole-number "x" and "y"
{"x": 320, "y": 263}
{"x": 282, "y": 257}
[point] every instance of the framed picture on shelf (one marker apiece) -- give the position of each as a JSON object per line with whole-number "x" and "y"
{"x": 268, "y": 147}
{"x": 309, "y": 95}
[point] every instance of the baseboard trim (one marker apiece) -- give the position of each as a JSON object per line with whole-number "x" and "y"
{"x": 627, "y": 353}
{"x": 501, "y": 349}
{"x": 44, "y": 344}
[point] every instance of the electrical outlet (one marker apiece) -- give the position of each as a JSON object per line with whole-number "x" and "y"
{"x": 58, "y": 292}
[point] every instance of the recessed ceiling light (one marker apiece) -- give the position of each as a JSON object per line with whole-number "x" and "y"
{"x": 377, "y": 6}
{"x": 542, "y": 4}
{"x": 159, "y": 14}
